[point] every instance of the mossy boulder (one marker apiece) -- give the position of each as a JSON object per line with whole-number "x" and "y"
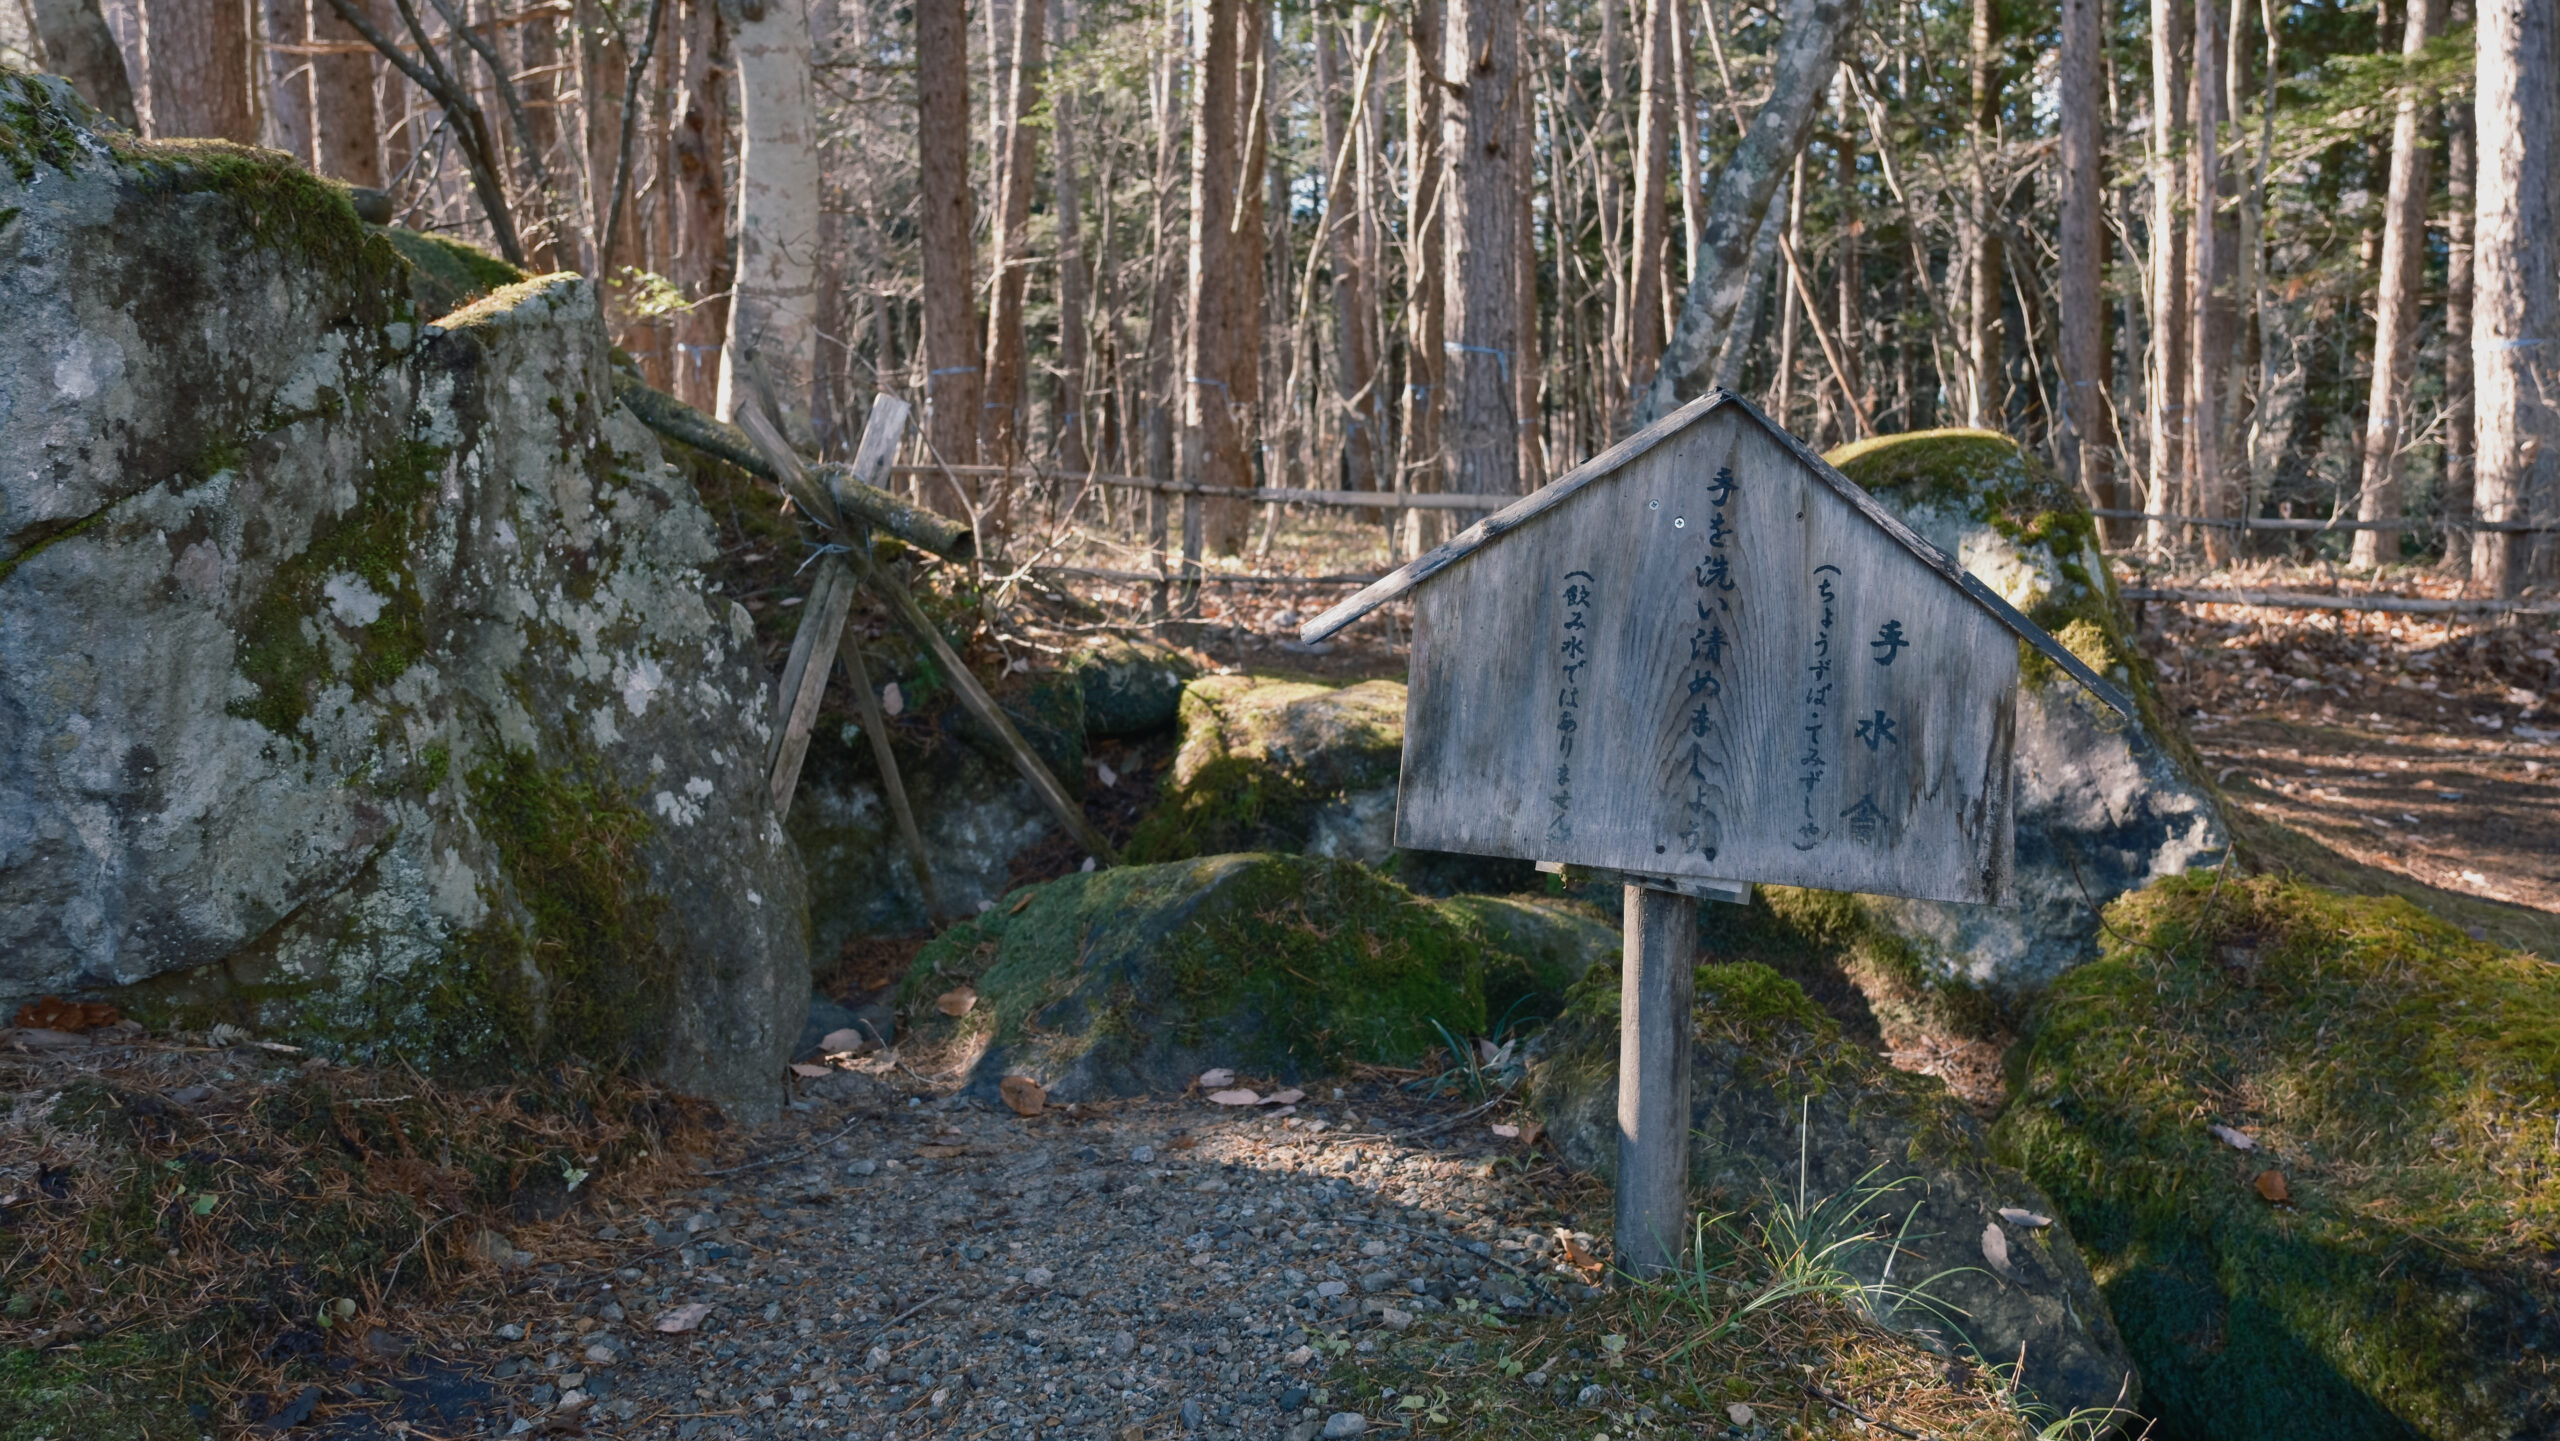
{"x": 1786, "y": 1111}
{"x": 2105, "y": 805}
{"x": 362, "y": 682}
{"x": 446, "y": 274}
{"x": 1132, "y": 685}
{"x": 2400, "y": 1077}
{"x": 1136, "y": 979}
{"x": 1541, "y": 946}
{"x": 1269, "y": 763}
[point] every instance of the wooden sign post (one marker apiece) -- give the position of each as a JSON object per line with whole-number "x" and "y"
{"x": 1705, "y": 659}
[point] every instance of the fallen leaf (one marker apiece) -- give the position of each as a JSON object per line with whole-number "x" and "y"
{"x": 1217, "y": 1080}
{"x": 1181, "y": 1141}
{"x": 683, "y": 1318}
{"x": 956, "y": 1002}
{"x": 2019, "y": 1216}
{"x": 2271, "y": 1185}
{"x": 941, "y": 1153}
{"x": 1531, "y": 1131}
{"x": 1018, "y": 905}
{"x": 1737, "y": 1413}
{"x": 1995, "y": 1250}
{"x": 1507, "y": 1132}
{"x": 892, "y": 700}
{"x": 2236, "y": 1140}
{"x": 803, "y": 1068}
{"x": 1109, "y": 777}
{"x": 1025, "y": 1095}
{"x": 1578, "y": 1256}
{"x": 836, "y": 1043}
{"x": 1237, "y": 1097}
{"x": 1284, "y": 1098}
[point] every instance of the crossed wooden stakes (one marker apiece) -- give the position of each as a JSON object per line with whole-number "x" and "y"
{"x": 845, "y": 503}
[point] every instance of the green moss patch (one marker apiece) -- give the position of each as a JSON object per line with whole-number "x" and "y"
{"x": 287, "y": 632}
{"x": 586, "y": 975}
{"x": 1260, "y": 754}
{"x": 2402, "y": 1078}
{"x": 1137, "y": 978}
{"x": 447, "y": 274}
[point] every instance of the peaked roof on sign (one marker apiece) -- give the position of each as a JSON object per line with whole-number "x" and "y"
{"x": 1538, "y": 502}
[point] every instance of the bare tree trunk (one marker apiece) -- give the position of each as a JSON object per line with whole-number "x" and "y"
{"x": 1229, "y": 521}
{"x": 2395, "y": 310}
{"x": 2515, "y": 316}
{"x": 1000, "y": 414}
{"x": 773, "y": 302}
{"x": 2209, "y": 349}
{"x": 1212, "y": 445}
{"x": 951, "y": 354}
{"x": 347, "y": 129}
{"x": 1427, "y": 179}
{"x": 2461, "y": 160}
{"x": 1354, "y": 287}
{"x": 702, "y": 204}
{"x": 2088, "y": 442}
{"x": 1790, "y": 303}
{"x": 79, "y": 46}
{"x": 1649, "y": 277}
{"x": 1850, "y": 263}
{"x": 1807, "y": 50}
{"x": 1479, "y": 420}
{"x": 284, "y": 25}
{"x": 1067, "y": 190}
{"x": 199, "y": 56}
{"x": 2166, "y": 411}
{"x": 1527, "y": 366}
{"x": 1985, "y": 380}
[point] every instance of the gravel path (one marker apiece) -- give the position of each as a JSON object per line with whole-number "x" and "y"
{"x": 946, "y": 1268}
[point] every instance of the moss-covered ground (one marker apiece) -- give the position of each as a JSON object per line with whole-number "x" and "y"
{"x": 2399, "y": 1076}
{"x": 1261, "y": 752}
{"x": 206, "y": 1233}
{"x": 1287, "y": 965}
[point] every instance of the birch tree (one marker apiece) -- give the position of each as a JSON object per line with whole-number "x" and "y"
{"x": 2515, "y": 315}
{"x": 773, "y": 302}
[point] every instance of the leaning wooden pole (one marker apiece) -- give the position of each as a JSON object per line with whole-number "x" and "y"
{"x": 1658, "y": 987}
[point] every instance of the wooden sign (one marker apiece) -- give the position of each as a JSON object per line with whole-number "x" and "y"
{"x": 1706, "y": 656}
{"x": 1704, "y": 659}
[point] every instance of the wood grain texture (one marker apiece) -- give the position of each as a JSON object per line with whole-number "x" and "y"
{"x": 1715, "y": 665}
{"x": 1658, "y": 987}
{"x": 1572, "y": 483}
{"x": 820, "y": 626}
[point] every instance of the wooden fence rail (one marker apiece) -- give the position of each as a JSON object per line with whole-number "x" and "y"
{"x": 2313, "y": 600}
{"x": 2288, "y": 523}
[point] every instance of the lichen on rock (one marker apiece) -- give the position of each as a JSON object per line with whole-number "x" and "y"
{"x": 318, "y": 624}
{"x": 2398, "y": 1075}
{"x": 1785, "y": 1110}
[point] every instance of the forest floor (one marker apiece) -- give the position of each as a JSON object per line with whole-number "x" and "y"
{"x": 2417, "y": 755}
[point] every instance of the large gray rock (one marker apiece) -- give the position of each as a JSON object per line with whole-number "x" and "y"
{"x": 1786, "y": 1113}
{"x": 357, "y": 675}
{"x": 2105, "y": 805}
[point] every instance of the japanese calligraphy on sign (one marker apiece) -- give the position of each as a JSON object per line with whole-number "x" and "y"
{"x": 1708, "y": 657}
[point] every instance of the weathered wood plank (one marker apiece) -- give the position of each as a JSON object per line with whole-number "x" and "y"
{"x": 824, "y": 624}
{"x": 795, "y": 666}
{"x": 892, "y": 784}
{"x": 1658, "y": 986}
{"x": 1714, "y": 667}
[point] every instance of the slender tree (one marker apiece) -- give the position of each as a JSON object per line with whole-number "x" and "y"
{"x": 952, "y": 355}
{"x": 701, "y": 201}
{"x": 2395, "y": 310}
{"x": 285, "y": 27}
{"x": 773, "y": 302}
{"x": 1479, "y": 418}
{"x": 2164, "y": 408}
{"x": 1354, "y": 287}
{"x": 2461, "y": 161}
{"x": 1984, "y": 400}
{"x": 1067, "y": 187}
{"x": 1212, "y": 441}
{"x": 2088, "y": 440}
{"x": 1426, "y": 202}
{"x": 1000, "y": 433}
{"x": 1647, "y": 318}
{"x": 2515, "y": 315}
